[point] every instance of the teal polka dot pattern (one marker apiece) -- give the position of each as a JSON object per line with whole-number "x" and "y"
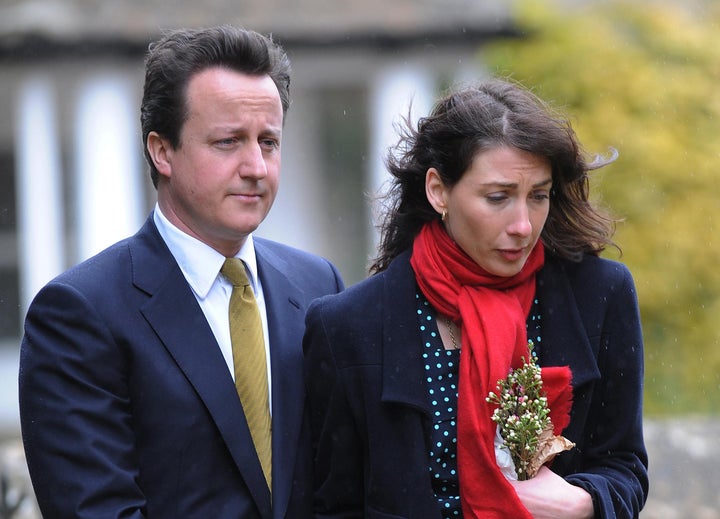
{"x": 441, "y": 371}
{"x": 534, "y": 328}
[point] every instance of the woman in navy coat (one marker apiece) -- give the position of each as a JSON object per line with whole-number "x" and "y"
{"x": 489, "y": 240}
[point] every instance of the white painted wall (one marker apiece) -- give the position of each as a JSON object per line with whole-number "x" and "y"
{"x": 107, "y": 177}
{"x": 38, "y": 185}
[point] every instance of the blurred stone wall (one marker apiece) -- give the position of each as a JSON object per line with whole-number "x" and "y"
{"x": 684, "y": 463}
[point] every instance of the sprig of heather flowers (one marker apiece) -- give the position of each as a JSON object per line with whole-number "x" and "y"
{"x": 522, "y": 413}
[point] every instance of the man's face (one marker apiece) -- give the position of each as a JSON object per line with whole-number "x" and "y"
{"x": 220, "y": 182}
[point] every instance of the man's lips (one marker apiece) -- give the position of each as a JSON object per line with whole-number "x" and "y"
{"x": 246, "y": 196}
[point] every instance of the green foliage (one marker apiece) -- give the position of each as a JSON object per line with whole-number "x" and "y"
{"x": 644, "y": 78}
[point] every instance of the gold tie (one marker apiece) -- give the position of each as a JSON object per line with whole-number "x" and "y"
{"x": 248, "y": 347}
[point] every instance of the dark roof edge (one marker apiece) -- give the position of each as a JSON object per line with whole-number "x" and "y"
{"x": 390, "y": 41}
{"x": 30, "y": 47}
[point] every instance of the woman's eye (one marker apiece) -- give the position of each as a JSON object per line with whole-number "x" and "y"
{"x": 495, "y": 198}
{"x": 541, "y": 195}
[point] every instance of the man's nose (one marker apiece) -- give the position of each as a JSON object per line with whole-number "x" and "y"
{"x": 253, "y": 162}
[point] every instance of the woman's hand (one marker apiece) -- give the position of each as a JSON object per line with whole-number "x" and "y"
{"x": 548, "y": 496}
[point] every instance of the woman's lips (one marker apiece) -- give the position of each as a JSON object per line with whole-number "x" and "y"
{"x": 511, "y": 254}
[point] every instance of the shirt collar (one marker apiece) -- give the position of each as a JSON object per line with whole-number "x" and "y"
{"x": 200, "y": 263}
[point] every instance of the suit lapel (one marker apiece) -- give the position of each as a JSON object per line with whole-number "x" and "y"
{"x": 565, "y": 339}
{"x": 176, "y": 317}
{"x": 286, "y": 306}
{"x": 403, "y": 371}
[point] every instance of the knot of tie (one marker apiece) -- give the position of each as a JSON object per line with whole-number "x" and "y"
{"x": 234, "y": 270}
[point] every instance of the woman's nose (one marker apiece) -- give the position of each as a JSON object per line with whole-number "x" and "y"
{"x": 520, "y": 224}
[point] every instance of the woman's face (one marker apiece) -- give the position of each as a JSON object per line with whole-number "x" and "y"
{"x": 497, "y": 210}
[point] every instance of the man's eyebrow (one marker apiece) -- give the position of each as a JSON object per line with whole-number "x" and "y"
{"x": 274, "y": 132}
{"x": 235, "y": 130}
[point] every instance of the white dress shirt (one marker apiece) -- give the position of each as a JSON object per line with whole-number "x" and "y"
{"x": 201, "y": 264}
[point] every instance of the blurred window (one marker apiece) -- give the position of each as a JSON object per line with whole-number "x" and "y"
{"x": 9, "y": 282}
{"x": 344, "y": 126}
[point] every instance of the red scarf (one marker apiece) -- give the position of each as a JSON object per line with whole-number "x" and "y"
{"x": 491, "y": 312}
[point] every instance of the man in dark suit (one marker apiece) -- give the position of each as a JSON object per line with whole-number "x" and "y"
{"x": 127, "y": 400}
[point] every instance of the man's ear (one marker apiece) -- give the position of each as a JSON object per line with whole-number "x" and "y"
{"x": 435, "y": 190}
{"x": 159, "y": 150}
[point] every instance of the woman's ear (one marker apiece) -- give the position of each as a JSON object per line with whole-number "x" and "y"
{"x": 159, "y": 150}
{"x": 436, "y": 191}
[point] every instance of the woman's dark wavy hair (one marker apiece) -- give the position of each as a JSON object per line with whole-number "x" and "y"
{"x": 174, "y": 59}
{"x": 473, "y": 119}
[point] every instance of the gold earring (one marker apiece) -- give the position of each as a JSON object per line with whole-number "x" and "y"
{"x": 443, "y": 215}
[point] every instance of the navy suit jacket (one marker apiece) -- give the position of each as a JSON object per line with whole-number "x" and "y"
{"x": 369, "y": 405}
{"x": 127, "y": 406}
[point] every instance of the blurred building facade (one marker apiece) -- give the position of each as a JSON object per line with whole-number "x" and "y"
{"x": 72, "y": 174}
